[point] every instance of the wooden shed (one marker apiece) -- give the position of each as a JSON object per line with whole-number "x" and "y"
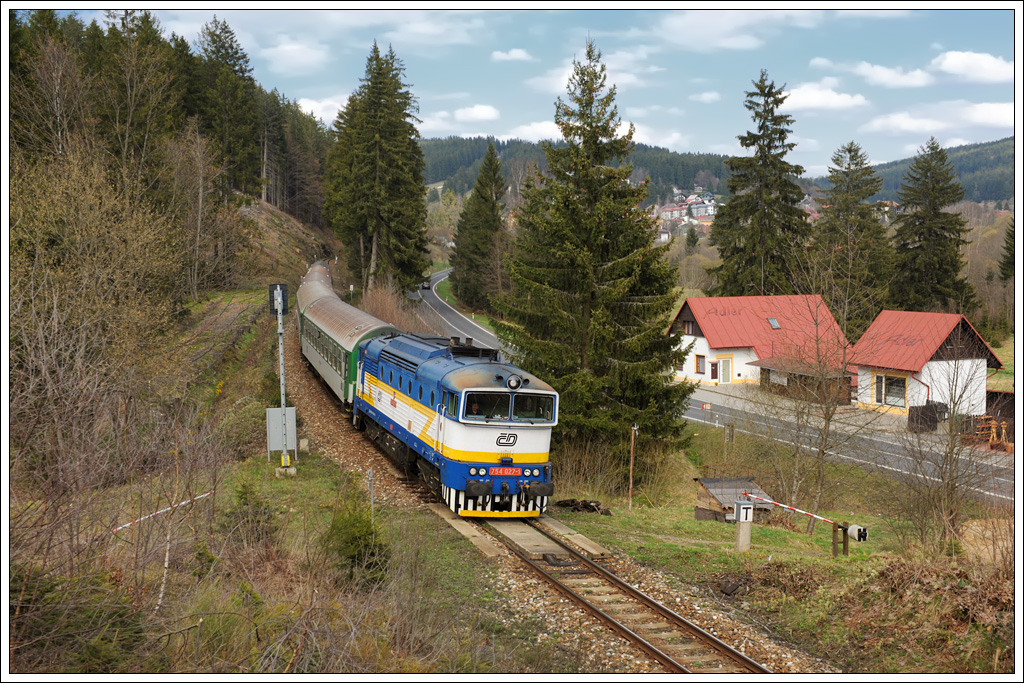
{"x": 717, "y": 498}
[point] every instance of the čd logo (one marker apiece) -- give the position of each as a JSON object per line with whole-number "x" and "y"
{"x": 506, "y": 440}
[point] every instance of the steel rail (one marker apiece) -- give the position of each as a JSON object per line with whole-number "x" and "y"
{"x": 618, "y": 627}
{"x": 678, "y": 620}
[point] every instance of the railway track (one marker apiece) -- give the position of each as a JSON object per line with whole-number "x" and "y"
{"x": 676, "y": 643}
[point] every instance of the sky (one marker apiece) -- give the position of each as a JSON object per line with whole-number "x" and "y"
{"x": 885, "y": 79}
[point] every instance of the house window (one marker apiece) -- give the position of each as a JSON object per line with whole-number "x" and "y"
{"x": 891, "y": 391}
{"x": 699, "y": 365}
{"x": 688, "y": 327}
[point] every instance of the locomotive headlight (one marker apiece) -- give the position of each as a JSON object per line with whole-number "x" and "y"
{"x": 514, "y": 382}
{"x": 472, "y": 471}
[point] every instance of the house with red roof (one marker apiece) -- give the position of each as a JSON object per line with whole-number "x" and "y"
{"x": 771, "y": 340}
{"x": 907, "y": 359}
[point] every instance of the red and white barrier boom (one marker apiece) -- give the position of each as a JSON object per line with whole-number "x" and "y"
{"x": 859, "y": 533}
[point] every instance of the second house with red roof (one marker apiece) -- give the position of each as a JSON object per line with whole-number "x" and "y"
{"x": 908, "y": 359}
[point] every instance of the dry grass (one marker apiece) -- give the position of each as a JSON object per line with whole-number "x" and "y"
{"x": 392, "y": 305}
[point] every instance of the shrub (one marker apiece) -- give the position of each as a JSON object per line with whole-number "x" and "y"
{"x": 353, "y": 543}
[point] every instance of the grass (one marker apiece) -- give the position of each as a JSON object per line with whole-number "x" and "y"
{"x": 1003, "y": 379}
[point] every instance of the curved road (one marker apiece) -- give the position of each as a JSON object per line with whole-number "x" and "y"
{"x": 457, "y": 324}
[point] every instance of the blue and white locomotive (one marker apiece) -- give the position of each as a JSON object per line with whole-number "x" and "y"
{"x": 476, "y": 429}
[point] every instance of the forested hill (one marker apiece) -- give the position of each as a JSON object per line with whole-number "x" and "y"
{"x": 985, "y": 170}
{"x": 456, "y": 161}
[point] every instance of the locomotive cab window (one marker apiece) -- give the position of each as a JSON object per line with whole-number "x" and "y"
{"x": 452, "y": 403}
{"x": 533, "y": 408}
{"x": 487, "y": 406}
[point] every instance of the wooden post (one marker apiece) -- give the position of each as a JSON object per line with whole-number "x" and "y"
{"x": 835, "y": 539}
{"x": 846, "y": 539}
{"x": 632, "y": 440}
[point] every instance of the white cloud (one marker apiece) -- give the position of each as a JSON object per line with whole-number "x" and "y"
{"x": 326, "y": 109}
{"x": 478, "y": 112}
{"x": 956, "y": 142}
{"x": 672, "y": 140}
{"x": 990, "y": 114}
{"x": 904, "y": 122}
{"x": 974, "y": 66}
{"x": 702, "y": 31}
{"x": 554, "y": 81}
{"x": 706, "y": 97}
{"x": 438, "y": 122}
{"x": 875, "y": 74}
{"x": 535, "y": 132}
{"x": 821, "y": 95}
{"x": 513, "y": 55}
{"x": 289, "y": 56}
{"x": 940, "y": 116}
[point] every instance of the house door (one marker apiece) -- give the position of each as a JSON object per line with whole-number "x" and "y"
{"x": 714, "y": 370}
{"x": 726, "y": 370}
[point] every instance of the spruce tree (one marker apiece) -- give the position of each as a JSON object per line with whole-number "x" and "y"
{"x": 927, "y": 238}
{"x": 761, "y": 229}
{"x": 592, "y": 294}
{"x": 851, "y": 260}
{"x": 479, "y": 225}
{"x": 1008, "y": 261}
{"x": 375, "y": 197}
{"x": 229, "y": 109}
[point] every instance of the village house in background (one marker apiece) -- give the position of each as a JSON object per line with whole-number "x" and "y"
{"x": 909, "y": 359}
{"x": 771, "y": 340}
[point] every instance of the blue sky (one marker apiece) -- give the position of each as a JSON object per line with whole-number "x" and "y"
{"x": 887, "y": 79}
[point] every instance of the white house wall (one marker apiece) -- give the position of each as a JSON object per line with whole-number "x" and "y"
{"x": 741, "y": 372}
{"x": 961, "y": 385}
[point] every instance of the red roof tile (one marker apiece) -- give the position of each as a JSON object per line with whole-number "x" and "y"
{"x": 906, "y": 340}
{"x": 807, "y": 331}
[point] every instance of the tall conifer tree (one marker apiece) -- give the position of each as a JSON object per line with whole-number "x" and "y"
{"x": 591, "y": 293}
{"x": 375, "y": 195}
{"x": 851, "y": 260}
{"x": 761, "y": 228}
{"x": 479, "y": 224}
{"x": 928, "y": 239}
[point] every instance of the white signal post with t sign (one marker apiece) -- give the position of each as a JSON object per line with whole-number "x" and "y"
{"x": 281, "y": 421}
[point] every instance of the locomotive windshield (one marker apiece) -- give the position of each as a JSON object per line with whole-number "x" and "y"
{"x": 532, "y": 408}
{"x": 487, "y": 406}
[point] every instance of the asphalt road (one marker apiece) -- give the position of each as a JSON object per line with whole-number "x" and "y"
{"x": 882, "y": 445}
{"x": 457, "y": 324}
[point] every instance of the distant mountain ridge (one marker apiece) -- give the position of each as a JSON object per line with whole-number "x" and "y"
{"x": 986, "y": 169}
{"x": 456, "y": 162}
